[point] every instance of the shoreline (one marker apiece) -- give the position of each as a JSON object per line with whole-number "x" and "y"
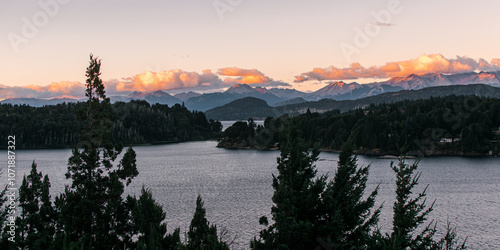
{"x": 124, "y": 145}
{"x": 374, "y": 153}
{"x": 371, "y": 152}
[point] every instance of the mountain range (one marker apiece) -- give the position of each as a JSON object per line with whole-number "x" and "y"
{"x": 351, "y": 91}
{"x": 208, "y": 101}
{"x": 251, "y": 107}
{"x": 337, "y": 90}
{"x": 35, "y": 102}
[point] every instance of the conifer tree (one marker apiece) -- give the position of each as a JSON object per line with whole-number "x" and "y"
{"x": 148, "y": 220}
{"x": 201, "y": 234}
{"x": 349, "y": 220}
{"x": 37, "y": 219}
{"x": 92, "y": 208}
{"x": 297, "y": 197}
{"x": 410, "y": 212}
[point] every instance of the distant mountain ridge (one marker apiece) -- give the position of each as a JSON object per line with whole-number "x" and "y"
{"x": 424, "y": 93}
{"x": 291, "y": 101}
{"x": 339, "y": 90}
{"x": 208, "y": 101}
{"x": 287, "y": 93}
{"x": 336, "y": 90}
{"x": 154, "y": 97}
{"x": 35, "y": 102}
{"x": 351, "y": 91}
{"x": 250, "y": 107}
{"x": 186, "y": 95}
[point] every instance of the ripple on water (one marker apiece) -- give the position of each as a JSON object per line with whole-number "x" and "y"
{"x": 236, "y": 187}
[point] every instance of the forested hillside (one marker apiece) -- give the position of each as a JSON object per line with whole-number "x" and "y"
{"x": 253, "y": 108}
{"x": 453, "y": 125}
{"x": 135, "y": 122}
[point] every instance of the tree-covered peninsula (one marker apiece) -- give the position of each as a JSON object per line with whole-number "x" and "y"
{"x": 452, "y": 125}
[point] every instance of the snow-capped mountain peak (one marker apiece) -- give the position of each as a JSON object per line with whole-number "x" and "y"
{"x": 336, "y": 88}
{"x": 240, "y": 88}
{"x": 261, "y": 90}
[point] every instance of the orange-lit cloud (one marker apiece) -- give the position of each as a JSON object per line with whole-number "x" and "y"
{"x": 60, "y": 88}
{"x": 166, "y": 80}
{"x": 53, "y": 90}
{"x": 496, "y": 62}
{"x": 434, "y": 63}
{"x": 246, "y": 76}
{"x": 147, "y": 81}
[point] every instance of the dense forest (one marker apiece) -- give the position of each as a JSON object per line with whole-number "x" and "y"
{"x": 452, "y": 125}
{"x": 135, "y": 122}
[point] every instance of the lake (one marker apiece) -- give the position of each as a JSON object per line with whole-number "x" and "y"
{"x": 236, "y": 186}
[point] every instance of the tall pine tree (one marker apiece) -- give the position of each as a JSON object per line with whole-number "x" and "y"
{"x": 297, "y": 197}
{"x": 349, "y": 220}
{"x": 148, "y": 221}
{"x": 37, "y": 219}
{"x": 92, "y": 208}
{"x": 410, "y": 212}
{"x": 201, "y": 234}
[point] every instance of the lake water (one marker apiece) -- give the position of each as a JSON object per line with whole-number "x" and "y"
{"x": 236, "y": 186}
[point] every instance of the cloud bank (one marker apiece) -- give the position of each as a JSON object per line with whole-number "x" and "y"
{"x": 246, "y": 76}
{"x": 207, "y": 80}
{"x": 433, "y": 63}
{"x": 167, "y": 80}
{"x": 57, "y": 89}
{"x": 235, "y": 75}
{"x": 148, "y": 81}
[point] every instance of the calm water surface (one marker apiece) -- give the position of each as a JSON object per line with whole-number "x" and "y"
{"x": 236, "y": 186}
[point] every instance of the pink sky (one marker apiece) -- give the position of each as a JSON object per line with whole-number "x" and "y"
{"x": 208, "y": 45}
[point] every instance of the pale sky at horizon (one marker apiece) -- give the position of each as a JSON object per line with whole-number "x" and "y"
{"x": 279, "y": 39}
